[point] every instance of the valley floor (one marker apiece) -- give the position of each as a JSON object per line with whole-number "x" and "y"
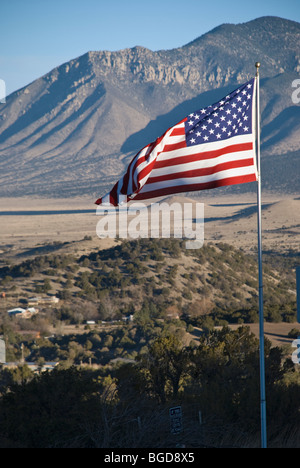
{"x": 28, "y": 223}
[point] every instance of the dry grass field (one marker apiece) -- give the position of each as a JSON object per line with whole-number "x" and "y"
{"x": 27, "y": 223}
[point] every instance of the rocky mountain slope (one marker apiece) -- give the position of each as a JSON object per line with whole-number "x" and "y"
{"x": 74, "y": 130}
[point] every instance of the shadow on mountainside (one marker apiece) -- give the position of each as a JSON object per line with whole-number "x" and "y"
{"x": 157, "y": 127}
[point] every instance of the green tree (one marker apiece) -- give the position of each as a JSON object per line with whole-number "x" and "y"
{"x": 164, "y": 367}
{"x": 47, "y": 285}
{"x": 10, "y": 377}
{"x": 225, "y": 375}
{"x": 50, "y": 410}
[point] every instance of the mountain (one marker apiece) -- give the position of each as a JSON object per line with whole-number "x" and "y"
{"x": 73, "y": 131}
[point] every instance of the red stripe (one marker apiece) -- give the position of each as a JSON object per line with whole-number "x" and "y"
{"x": 204, "y": 155}
{"x": 195, "y": 187}
{"x": 145, "y": 171}
{"x": 113, "y": 196}
{"x": 174, "y": 146}
{"x": 205, "y": 171}
{"x": 125, "y": 181}
{"x": 178, "y": 131}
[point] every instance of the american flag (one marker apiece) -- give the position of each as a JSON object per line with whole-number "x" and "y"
{"x": 212, "y": 147}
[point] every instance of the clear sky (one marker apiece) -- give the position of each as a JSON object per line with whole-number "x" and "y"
{"x": 38, "y": 35}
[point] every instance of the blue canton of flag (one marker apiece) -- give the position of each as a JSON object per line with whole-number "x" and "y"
{"x": 229, "y": 117}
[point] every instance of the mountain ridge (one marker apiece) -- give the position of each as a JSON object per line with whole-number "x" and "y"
{"x": 75, "y": 128}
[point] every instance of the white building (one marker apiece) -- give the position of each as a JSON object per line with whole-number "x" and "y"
{"x": 22, "y": 313}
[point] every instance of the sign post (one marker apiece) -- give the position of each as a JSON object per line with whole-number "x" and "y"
{"x": 176, "y": 419}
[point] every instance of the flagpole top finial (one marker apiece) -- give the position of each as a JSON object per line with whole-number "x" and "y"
{"x": 257, "y": 64}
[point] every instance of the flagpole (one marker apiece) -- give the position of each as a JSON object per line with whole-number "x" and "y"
{"x": 260, "y": 277}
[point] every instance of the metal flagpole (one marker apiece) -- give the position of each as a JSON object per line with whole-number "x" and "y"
{"x": 261, "y": 309}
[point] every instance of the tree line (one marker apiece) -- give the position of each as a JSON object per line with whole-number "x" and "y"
{"x": 127, "y": 405}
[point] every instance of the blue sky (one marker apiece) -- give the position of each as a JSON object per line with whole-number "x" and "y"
{"x": 38, "y": 35}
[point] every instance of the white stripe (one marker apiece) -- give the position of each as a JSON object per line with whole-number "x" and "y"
{"x": 106, "y": 199}
{"x": 119, "y": 186}
{"x": 173, "y": 140}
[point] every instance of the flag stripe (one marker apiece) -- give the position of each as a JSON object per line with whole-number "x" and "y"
{"x": 203, "y": 171}
{"x": 194, "y": 165}
{"x": 200, "y": 179}
{"x": 204, "y": 155}
{"x": 178, "y": 131}
{"x": 175, "y": 146}
{"x": 207, "y": 148}
{"x": 242, "y": 179}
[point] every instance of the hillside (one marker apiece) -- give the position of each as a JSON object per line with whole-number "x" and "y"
{"x": 74, "y": 130}
{"x": 156, "y": 279}
{"x": 146, "y": 321}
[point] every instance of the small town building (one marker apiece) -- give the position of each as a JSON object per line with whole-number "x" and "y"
{"x": 38, "y": 300}
{"x": 19, "y": 312}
